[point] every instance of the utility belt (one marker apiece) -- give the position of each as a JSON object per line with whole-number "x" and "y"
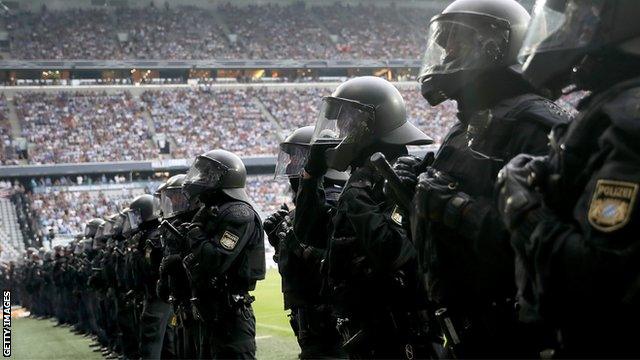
{"x": 463, "y": 333}
{"x": 221, "y": 307}
{"x": 394, "y": 334}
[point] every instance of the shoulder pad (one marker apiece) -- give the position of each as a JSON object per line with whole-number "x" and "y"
{"x": 624, "y": 110}
{"x": 532, "y": 107}
{"x": 237, "y": 211}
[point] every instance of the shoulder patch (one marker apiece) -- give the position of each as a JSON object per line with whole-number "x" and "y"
{"x": 612, "y": 204}
{"x": 396, "y": 216}
{"x": 239, "y": 213}
{"x": 229, "y": 240}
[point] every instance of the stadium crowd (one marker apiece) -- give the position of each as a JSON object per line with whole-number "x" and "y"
{"x": 66, "y": 212}
{"x": 8, "y": 153}
{"x": 92, "y": 127}
{"x": 83, "y": 127}
{"x": 204, "y": 118}
{"x": 257, "y": 32}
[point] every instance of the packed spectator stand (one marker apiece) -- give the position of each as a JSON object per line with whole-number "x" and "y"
{"x": 80, "y": 127}
{"x": 265, "y": 31}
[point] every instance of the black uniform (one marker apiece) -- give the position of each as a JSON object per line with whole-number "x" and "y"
{"x": 225, "y": 261}
{"x": 299, "y": 254}
{"x": 578, "y": 255}
{"x": 155, "y": 312}
{"x": 372, "y": 271}
{"x": 174, "y": 287}
{"x": 467, "y": 258}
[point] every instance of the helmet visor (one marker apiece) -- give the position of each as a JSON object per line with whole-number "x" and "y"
{"x": 458, "y": 42}
{"x": 291, "y": 160}
{"x": 173, "y": 202}
{"x": 108, "y": 229}
{"x": 205, "y": 172}
{"x": 561, "y": 25}
{"x": 88, "y": 231}
{"x": 99, "y": 233}
{"x": 134, "y": 219}
{"x": 343, "y": 121}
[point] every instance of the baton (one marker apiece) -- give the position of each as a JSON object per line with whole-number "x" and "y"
{"x": 172, "y": 229}
{"x": 399, "y": 192}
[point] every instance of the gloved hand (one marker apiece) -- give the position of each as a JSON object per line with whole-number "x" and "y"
{"x": 437, "y": 198}
{"x": 405, "y": 167}
{"x": 516, "y": 186}
{"x": 169, "y": 264}
{"x": 408, "y": 168}
{"x": 316, "y": 164}
{"x": 272, "y": 223}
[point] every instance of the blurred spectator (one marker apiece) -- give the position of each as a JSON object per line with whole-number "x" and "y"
{"x": 202, "y": 119}
{"x": 66, "y": 212}
{"x": 84, "y": 127}
{"x": 93, "y": 127}
{"x": 264, "y": 31}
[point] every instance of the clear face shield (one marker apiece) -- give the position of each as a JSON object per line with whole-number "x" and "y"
{"x": 291, "y": 160}
{"x": 561, "y": 25}
{"x": 108, "y": 229}
{"x": 204, "y": 174}
{"x": 134, "y": 220}
{"x": 347, "y": 124}
{"x": 98, "y": 239}
{"x": 173, "y": 202}
{"x": 461, "y": 42}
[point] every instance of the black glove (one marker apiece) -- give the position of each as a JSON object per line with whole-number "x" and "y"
{"x": 407, "y": 168}
{"x": 437, "y": 198}
{"x": 170, "y": 263}
{"x": 272, "y": 223}
{"x": 516, "y": 188}
{"x": 316, "y": 164}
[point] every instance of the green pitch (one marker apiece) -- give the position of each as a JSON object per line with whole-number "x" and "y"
{"x": 39, "y": 339}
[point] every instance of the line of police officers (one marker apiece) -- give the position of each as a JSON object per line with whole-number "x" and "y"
{"x": 517, "y": 238}
{"x": 150, "y": 289}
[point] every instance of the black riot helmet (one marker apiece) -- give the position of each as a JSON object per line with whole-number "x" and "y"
{"x": 173, "y": 201}
{"x": 91, "y": 228}
{"x": 216, "y": 170}
{"x": 142, "y": 209}
{"x": 294, "y": 151}
{"x": 113, "y": 225}
{"x": 468, "y": 39}
{"x": 563, "y": 33}
{"x": 361, "y": 112}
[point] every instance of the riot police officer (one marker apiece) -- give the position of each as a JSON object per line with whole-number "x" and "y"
{"x": 574, "y": 214}
{"x": 143, "y": 217}
{"x": 471, "y": 57}
{"x": 371, "y": 265}
{"x": 299, "y": 254}
{"x": 173, "y": 284}
{"x": 226, "y": 254}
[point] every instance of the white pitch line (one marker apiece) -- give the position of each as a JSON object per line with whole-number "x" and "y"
{"x": 274, "y": 327}
{"x": 263, "y": 337}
